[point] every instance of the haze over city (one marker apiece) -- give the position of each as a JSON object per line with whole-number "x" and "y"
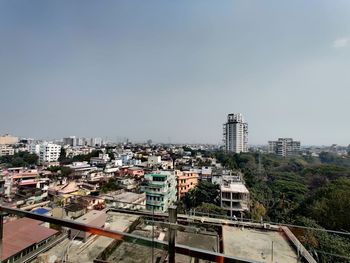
{"x": 166, "y": 70}
{"x": 174, "y": 131}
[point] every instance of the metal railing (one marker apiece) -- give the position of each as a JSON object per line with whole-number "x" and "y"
{"x": 170, "y": 246}
{"x": 301, "y": 251}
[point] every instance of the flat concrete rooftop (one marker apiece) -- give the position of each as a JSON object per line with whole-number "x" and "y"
{"x": 129, "y": 197}
{"x": 208, "y": 242}
{"x": 134, "y": 253}
{"x": 79, "y": 251}
{"x": 255, "y": 244}
{"x": 129, "y": 252}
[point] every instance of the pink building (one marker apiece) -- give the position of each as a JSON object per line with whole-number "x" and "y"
{"x": 131, "y": 171}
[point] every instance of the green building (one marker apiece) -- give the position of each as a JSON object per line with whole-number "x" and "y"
{"x": 160, "y": 189}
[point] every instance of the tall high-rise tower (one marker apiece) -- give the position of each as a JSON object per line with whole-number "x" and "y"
{"x": 236, "y": 133}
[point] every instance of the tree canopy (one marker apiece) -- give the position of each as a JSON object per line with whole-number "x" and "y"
{"x": 80, "y": 157}
{"x": 20, "y": 159}
{"x": 205, "y": 192}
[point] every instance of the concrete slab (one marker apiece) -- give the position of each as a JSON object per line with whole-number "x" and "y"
{"x": 79, "y": 251}
{"x": 260, "y": 245}
{"x": 208, "y": 242}
{"x": 133, "y": 253}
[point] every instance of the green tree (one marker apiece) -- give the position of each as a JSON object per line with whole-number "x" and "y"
{"x": 63, "y": 155}
{"x": 19, "y": 159}
{"x": 258, "y": 211}
{"x": 323, "y": 246}
{"x": 204, "y": 192}
{"x": 54, "y": 169}
{"x": 330, "y": 206}
{"x": 211, "y": 209}
{"x": 66, "y": 171}
{"x": 331, "y": 158}
{"x": 111, "y": 185}
{"x": 17, "y": 162}
{"x": 111, "y": 155}
{"x": 81, "y": 157}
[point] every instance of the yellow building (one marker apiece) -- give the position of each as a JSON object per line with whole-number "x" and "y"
{"x": 8, "y": 139}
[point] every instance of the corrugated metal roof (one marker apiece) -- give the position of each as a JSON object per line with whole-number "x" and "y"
{"x": 22, "y": 233}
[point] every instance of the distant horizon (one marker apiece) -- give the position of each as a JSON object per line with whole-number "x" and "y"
{"x": 173, "y": 70}
{"x": 107, "y": 138}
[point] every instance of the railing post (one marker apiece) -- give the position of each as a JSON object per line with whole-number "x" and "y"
{"x": 1, "y": 232}
{"x": 272, "y": 252}
{"x": 172, "y": 233}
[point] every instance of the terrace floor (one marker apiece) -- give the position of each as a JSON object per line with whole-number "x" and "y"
{"x": 260, "y": 245}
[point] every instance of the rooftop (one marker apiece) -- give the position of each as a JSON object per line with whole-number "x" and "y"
{"x": 235, "y": 241}
{"x": 128, "y": 197}
{"x": 235, "y": 187}
{"x": 74, "y": 207}
{"x": 22, "y": 233}
{"x": 90, "y": 250}
{"x": 91, "y": 217}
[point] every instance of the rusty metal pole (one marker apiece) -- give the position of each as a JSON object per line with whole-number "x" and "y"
{"x": 172, "y": 233}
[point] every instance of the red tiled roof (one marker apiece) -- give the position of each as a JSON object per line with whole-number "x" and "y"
{"x": 22, "y": 233}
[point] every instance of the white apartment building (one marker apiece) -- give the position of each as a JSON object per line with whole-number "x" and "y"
{"x": 284, "y": 147}
{"x": 125, "y": 158}
{"x": 154, "y": 160}
{"x": 34, "y": 148}
{"x": 234, "y": 195}
{"x": 235, "y": 132}
{"x": 6, "y": 150}
{"x": 74, "y": 141}
{"x": 95, "y": 142}
{"x": 205, "y": 173}
{"x": 71, "y": 141}
{"x": 118, "y": 162}
{"x": 102, "y": 158}
{"x": 49, "y": 152}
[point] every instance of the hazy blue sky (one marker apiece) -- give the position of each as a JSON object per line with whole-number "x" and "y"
{"x": 174, "y": 69}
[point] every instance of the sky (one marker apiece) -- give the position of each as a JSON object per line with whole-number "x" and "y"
{"x": 171, "y": 70}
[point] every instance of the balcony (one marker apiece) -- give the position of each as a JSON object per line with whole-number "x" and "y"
{"x": 148, "y": 236}
{"x": 153, "y": 202}
{"x": 153, "y": 192}
{"x": 232, "y": 200}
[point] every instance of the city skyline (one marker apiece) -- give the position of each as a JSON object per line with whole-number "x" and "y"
{"x": 175, "y": 70}
{"x": 174, "y": 131}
